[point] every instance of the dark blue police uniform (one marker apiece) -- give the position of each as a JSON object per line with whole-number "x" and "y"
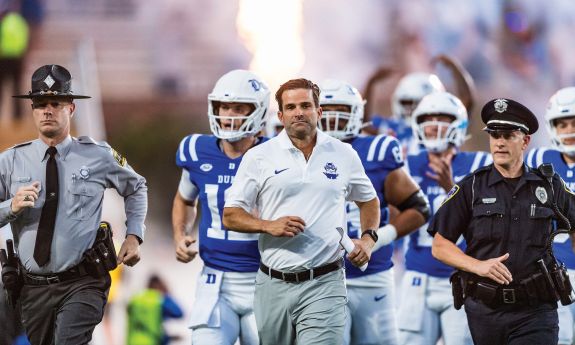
{"x": 498, "y": 215}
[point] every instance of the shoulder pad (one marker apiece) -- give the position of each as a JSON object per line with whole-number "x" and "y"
{"x": 21, "y": 145}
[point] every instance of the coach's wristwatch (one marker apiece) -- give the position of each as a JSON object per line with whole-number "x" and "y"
{"x": 371, "y": 233}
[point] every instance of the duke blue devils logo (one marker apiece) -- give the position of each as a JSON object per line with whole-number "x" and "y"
{"x": 256, "y": 84}
{"x": 330, "y": 171}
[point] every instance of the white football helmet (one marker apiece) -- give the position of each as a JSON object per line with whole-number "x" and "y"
{"x": 273, "y": 126}
{"x": 440, "y": 103}
{"x": 339, "y": 124}
{"x": 239, "y": 86}
{"x": 409, "y": 92}
{"x": 561, "y": 105}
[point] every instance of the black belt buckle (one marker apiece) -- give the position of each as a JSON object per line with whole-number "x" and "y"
{"x": 509, "y": 296}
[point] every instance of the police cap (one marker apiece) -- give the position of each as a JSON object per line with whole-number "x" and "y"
{"x": 506, "y": 114}
{"x": 51, "y": 81}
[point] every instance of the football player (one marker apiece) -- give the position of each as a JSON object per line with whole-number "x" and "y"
{"x": 406, "y": 96}
{"x": 371, "y": 302}
{"x": 223, "y": 309}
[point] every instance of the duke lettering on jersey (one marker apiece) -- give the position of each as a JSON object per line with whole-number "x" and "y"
{"x": 379, "y": 155}
{"x": 212, "y": 172}
{"x": 227, "y": 179}
{"x": 418, "y": 256}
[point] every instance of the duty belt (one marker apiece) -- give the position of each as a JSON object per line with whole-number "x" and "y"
{"x": 532, "y": 290}
{"x": 75, "y": 272}
{"x": 302, "y": 276}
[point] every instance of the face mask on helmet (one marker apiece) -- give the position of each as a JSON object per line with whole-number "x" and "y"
{"x": 439, "y": 120}
{"x": 273, "y": 126}
{"x": 558, "y": 115}
{"x": 342, "y": 109}
{"x": 409, "y": 92}
{"x": 238, "y": 86}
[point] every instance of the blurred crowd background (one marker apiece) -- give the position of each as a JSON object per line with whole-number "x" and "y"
{"x": 149, "y": 66}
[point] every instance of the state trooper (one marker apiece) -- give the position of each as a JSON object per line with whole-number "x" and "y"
{"x": 506, "y": 276}
{"x": 51, "y": 192}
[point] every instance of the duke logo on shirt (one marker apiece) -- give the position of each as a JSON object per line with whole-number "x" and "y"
{"x": 330, "y": 171}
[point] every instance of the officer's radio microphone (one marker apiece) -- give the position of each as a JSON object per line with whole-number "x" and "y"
{"x": 547, "y": 171}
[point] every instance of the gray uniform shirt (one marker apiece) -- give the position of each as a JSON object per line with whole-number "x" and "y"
{"x": 85, "y": 169}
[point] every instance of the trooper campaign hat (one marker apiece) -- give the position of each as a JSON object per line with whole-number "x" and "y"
{"x": 505, "y": 114}
{"x": 51, "y": 81}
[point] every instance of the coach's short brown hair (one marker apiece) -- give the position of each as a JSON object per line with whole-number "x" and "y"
{"x": 300, "y": 83}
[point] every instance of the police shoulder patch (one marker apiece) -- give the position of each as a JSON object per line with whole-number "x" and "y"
{"x": 118, "y": 157}
{"x": 451, "y": 194}
{"x": 567, "y": 188}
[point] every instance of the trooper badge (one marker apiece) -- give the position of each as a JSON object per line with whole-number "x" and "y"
{"x": 84, "y": 172}
{"x": 541, "y": 194}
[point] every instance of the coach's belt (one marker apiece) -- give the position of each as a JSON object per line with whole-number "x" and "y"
{"x": 302, "y": 276}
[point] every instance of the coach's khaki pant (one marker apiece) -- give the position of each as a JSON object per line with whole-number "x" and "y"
{"x": 312, "y": 312}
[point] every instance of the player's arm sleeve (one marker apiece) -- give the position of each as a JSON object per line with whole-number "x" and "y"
{"x": 244, "y": 190}
{"x": 453, "y": 216}
{"x": 360, "y": 187}
{"x": 133, "y": 188}
{"x": 187, "y": 189}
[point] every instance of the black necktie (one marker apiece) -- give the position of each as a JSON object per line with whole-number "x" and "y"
{"x": 48, "y": 217}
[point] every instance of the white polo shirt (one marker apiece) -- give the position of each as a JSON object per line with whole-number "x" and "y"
{"x": 274, "y": 180}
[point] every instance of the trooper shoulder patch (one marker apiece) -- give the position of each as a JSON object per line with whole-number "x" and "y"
{"x": 118, "y": 157}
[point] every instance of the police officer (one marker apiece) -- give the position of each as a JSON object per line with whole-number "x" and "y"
{"x": 51, "y": 192}
{"x": 504, "y": 211}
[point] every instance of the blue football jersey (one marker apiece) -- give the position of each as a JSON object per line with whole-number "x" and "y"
{"x": 536, "y": 157}
{"x": 379, "y": 155}
{"x": 418, "y": 256}
{"x": 401, "y": 129}
{"x": 212, "y": 172}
